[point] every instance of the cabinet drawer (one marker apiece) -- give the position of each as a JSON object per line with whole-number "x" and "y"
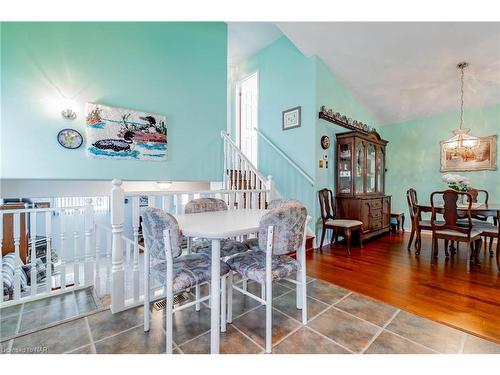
{"x": 375, "y": 213}
{"x": 376, "y": 223}
{"x": 376, "y": 203}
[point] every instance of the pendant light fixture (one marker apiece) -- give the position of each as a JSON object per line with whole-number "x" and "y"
{"x": 462, "y": 141}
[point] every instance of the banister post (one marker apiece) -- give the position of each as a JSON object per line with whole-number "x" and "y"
{"x": 89, "y": 243}
{"x": 117, "y": 267}
{"x": 271, "y": 188}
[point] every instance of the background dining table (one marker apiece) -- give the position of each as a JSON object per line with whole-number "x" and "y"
{"x": 215, "y": 226}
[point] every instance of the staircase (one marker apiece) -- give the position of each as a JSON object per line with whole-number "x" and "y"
{"x": 241, "y": 174}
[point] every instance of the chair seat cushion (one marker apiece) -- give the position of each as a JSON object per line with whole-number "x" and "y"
{"x": 189, "y": 270}
{"x": 427, "y": 223}
{"x": 252, "y": 265}
{"x": 227, "y": 247}
{"x": 486, "y": 228}
{"x": 252, "y": 243}
{"x": 344, "y": 223}
{"x": 448, "y": 232}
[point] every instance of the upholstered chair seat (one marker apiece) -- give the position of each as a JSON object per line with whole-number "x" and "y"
{"x": 228, "y": 247}
{"x": 252, "y": 265}
{"x": 343, "y": 223}
{"x": 474, "y": 233}
{"x": 188, "y": 271}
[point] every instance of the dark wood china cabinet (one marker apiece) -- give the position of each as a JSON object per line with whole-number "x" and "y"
{"x": 360, "y": 187}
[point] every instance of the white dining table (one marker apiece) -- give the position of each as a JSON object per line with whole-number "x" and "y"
{"x": 216, "y": 226}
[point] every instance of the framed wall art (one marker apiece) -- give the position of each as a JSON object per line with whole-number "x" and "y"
{"x": 291, "y": 118}
{"x": 479, "y": 158}
{"x": 120, "y": 133}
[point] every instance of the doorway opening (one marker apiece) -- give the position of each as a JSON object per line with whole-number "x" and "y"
{"x": 247, "y": 117}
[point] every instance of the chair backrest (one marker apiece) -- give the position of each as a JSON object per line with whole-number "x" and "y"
{"x": 450, "y": 211}
{"x": 475, "y": 195}
{"x": 155, "y": 221}
{"x": 280, "y": 202}
{"x": 289, "y": 224}
{"x": 205, "y": 205}
{"x": 411, "y": 197}
{"x": 326, "y": 204}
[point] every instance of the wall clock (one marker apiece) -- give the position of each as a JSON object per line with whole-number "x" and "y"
{"x": 70, "y": 138}
{"x": 325, "y": 142}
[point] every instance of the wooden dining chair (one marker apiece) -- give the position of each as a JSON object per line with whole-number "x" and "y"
{"x": 346, "y": 226}
{"x": 451, "y": 229}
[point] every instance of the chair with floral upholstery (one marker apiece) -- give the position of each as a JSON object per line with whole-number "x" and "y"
{"x": 201, "y": 245}
{"x": 253, "y": 243}
{"x": 175, "y": 272}
{"x": 281, "y": 231}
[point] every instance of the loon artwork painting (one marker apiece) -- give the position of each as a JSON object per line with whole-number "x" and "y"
{"x": 120, "y": 133}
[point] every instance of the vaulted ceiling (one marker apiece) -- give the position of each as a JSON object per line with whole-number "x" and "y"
{"x": 402, "y": 71}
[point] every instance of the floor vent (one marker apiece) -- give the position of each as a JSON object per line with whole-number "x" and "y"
{"x": 179, "y": 298}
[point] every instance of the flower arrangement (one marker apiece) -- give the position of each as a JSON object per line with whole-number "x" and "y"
{"x": 456, "y": 182}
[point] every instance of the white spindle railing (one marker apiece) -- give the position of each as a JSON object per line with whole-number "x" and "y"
{"x": 127, "y": 277}
{"x": 73, "y": 236}
{"x": 240, "y": 173}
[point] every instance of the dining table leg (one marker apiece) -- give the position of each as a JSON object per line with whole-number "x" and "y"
{"x": 215, "y": 299}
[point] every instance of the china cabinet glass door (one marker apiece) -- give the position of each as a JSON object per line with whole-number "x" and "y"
{"x": 380, "y": 169}
{"x": 370, "y": 169}
{"x": 345, "y": 168}
{"x": 359, "y": 166}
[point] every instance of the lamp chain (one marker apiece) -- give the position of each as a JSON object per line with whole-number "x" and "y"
{"x": 461, "y": 96}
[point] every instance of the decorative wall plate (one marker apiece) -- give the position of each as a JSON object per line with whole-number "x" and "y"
{"x": 325, "y": 142}
{"x": 70, "y": 138}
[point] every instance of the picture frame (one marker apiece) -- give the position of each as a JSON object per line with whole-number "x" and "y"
{"x": 291, "y": 118}
{"x": 70, "y": 139}
{"x": 482, "y": 157}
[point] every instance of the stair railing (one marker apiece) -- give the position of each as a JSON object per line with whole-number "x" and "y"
{"x": 239, "y": 172}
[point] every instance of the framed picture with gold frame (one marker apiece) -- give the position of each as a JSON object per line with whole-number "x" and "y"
{"x": 482, "y": 157}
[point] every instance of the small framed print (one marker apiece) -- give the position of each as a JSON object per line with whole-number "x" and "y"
{"x": 291, "y": 118}
{"x": 325, "y": 142}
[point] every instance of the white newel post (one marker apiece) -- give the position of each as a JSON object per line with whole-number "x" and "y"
{"x": 117, "y": 268}
{"x": 89, "y": 243}
{"x": 270, "y": 187}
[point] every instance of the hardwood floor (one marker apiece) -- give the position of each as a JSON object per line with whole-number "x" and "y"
{"x": 443, "y": 292}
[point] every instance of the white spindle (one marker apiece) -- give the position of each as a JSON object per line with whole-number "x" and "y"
{"x": 151, "y": 201}
{"x": 62, "y": 256}
{"x": 76, "y": 247}
{"x": 117, "y": 269}
{"x": 48, "y": 251}
{"x": 135, "y": 226}
{"x": 178, "y": 203}
{"x": 164, "y": 202}
{"x": 17, "y": 242}
{"x": 109, "y": 260}
{"x": 33, "y": 280}
{"x": 97, "y": 280}
{"x": 128, "y": 267}
{"x": 91, "y": 257}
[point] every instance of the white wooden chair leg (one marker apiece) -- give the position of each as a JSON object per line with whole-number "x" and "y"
{"x": 304, "y": 294}
{"x": 223, "y": 300}
{"x": 269, "y": 317}
{"x": 209, "y": 293}
{"x": 230, "y": 297}
{"x": 269, "y": 291}
{"x": 298, "y": 287}
{"x": 147, "y": 281}
{"x": 197, "y": 297}
{"x": 263, "y": 291}
{"x": 169, "y": 328}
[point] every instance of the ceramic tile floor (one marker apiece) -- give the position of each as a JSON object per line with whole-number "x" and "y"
{"x": 340, "y": 321}
{"x": 32, "y": 316}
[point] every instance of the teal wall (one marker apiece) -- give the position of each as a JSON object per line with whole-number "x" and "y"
{"x": 413, "y": 154}
{"x": 175, "y": 69}
{"x": 331, "y": 93}
{"x": 286, "y": 80}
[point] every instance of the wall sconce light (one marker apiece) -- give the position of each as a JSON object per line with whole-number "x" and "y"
{"x": 68, "y": 113}
{"x": 164, "y": 185}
